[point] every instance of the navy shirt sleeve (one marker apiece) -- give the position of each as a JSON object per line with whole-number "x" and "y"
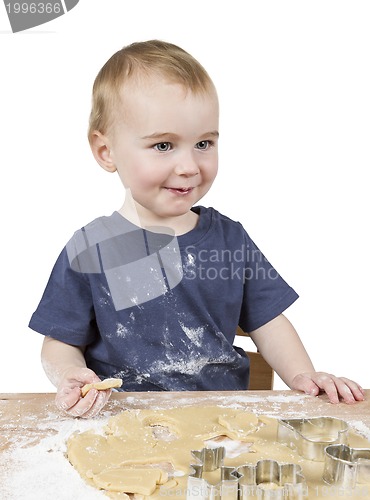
{"x": 266, "y": 294}
{"x": 66, "y": 310}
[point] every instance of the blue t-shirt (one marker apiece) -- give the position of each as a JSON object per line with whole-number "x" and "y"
{"x": 161, "y": 311}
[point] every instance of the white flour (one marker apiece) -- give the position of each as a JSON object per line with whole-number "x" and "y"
{"x": 121, "y": 330}
{"x": 194, "y": 334}
{"x": 42, "y": 471}
{"x": 254, "y": 404}
{"x": 166, "y": 400}
{"x": 191, "y": 367}
{"x": 38, "y": 474}
{"x": 361, "y": 428}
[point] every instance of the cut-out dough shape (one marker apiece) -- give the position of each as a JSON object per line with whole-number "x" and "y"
{"x": 108, "y": 383}
{"x": 140, "y": 481}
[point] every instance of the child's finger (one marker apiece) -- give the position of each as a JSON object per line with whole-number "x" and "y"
{"x": 67, "y": 398}
{"x": 99, "y": 403}
{"x": 305, "y": 384}
{"x": 85, "y": 404}
{"x": 356, "y": 390}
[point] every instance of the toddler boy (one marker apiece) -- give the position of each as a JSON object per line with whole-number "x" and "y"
{"x": 154, "y": 293}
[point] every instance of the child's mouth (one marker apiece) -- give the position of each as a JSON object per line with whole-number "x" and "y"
{"x": 180, "y": 191}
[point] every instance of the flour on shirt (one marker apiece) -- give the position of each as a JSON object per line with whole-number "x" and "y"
{"x": 189, "y": 266}
{"x": 106, "y": 298}
{"x": 190, "y": 367}
{"x": 135, "y": 300}
{"x": 194, "y": 334}
{"x": 121, "y": 330}
{"x": 190, "y": 259}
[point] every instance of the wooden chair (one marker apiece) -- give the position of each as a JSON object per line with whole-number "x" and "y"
{"x": 261, "y": 375}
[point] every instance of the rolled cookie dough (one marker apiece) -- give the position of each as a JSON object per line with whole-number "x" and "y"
{"x": 108, "y": 383}
{"x": 119, "y": 460}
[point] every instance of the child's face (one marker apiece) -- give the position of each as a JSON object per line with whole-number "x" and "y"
{"x": 164, "y": 145}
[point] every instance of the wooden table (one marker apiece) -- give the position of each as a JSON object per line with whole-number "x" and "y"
{"x": 26, "y": 419}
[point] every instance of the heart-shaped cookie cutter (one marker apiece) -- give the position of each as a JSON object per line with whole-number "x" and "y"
{"x": 345, "y": 466}
{"x": 310, "y": 436}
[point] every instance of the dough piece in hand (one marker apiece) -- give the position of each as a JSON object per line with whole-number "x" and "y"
{"x": 108, "y": 383}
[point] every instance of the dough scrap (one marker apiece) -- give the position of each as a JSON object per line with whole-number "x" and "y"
{"x": 142, "y": 481}
{"x": 108, "y": 383}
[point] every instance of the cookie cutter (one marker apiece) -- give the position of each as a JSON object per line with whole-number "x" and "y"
{"x": 346, "y": 466}
{"x": 211, "y": 459}
{"x": 310, "y": 436}
{"x": 269, "y": 479}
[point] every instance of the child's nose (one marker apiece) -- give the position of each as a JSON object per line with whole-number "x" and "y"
{"x": 187, "y": 164}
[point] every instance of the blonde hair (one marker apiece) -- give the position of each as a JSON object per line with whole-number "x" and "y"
{"x": 142, "y": 59}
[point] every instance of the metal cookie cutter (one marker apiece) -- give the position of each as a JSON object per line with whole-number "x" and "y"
{"x": 310, "y": 436}
{"x": 269, "y": 479}
{"x": 226, "y": 484}
{"x": 346, "y": 466}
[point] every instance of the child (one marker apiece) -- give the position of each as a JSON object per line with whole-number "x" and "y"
{"x": 153, "y": 294}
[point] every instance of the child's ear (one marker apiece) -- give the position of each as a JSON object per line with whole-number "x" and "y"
{"x": 101, "y": 150}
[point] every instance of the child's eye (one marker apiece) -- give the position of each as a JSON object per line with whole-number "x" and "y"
{"x": 162, "y": 147}
{"x": 203, "y": 145}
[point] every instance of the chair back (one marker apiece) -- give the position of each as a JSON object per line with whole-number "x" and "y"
{"x": 261, "y": 375}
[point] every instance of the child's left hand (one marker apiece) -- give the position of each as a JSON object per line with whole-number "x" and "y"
{"x": 336, "y": 388}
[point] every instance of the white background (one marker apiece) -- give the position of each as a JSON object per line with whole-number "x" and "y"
{"x": 293, "y": 80}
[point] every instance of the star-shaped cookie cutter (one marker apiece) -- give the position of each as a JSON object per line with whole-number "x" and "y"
{"x": 267, "y": 479}
{"x": 310, "y": 436}
{"x": 345, "y": 466}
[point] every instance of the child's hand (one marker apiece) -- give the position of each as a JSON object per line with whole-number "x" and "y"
{"x": 335, "y": 387}
{"x": 69, "y": 398}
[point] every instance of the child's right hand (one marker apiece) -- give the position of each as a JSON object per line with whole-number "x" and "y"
{"x": 69, "y": 398}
